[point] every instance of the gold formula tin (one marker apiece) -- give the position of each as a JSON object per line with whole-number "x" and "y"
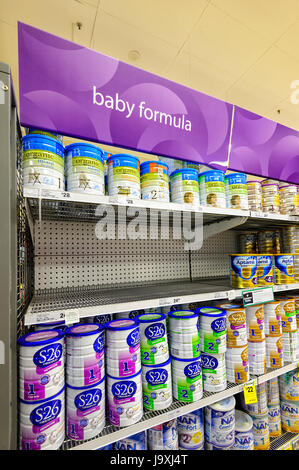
{"x": 243, "y": 270}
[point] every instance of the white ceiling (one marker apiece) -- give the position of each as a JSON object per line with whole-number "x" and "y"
{"x": 243, "y": 51}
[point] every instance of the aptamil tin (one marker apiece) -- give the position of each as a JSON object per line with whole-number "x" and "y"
{"x": 243, "y": 270}
{"x": 136, "y": 442}
{"x": 265, "y": 270}
{"x": 236, "y": 191}
{"x": 42, "y": 423}
{"x": 243, "y": 431}
{"x": 164, "y": 436}
{"x": 157, "y": 386}
{"x": 124, "y": 175}
{"x": 123, "y": 347}
{"x": 41, "y": 364}
{"x": 212, "y": 329}
{"x": 212, "y": 189}
{"x": 187, "y": 379}
{"x": 153, "y": 338}
{"x": 284, "y": 269}
{"x": 191, "y": 430}
{"x": 220, "y": 423}
{"x": 213, "y": 372}
{"x": 85, "y": 411}
{"x": 124, "y": 399}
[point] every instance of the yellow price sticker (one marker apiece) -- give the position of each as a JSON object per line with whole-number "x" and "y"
{"x": 249, "y": 392}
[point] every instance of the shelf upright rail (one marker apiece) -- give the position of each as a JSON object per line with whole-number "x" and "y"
{"x": 15, "y": 265}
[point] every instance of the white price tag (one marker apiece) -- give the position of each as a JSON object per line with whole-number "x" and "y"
{"x": 165, "y": 302}
{"x": 279, "y": 288}
{"x": 219, "y": 295}
{"x": 46, "y": 193}
{"x": 47, "y": 317}
{"x": 176, "y": 300}
{"x": 72, "y": 316}
{"x": 231, "y": 295}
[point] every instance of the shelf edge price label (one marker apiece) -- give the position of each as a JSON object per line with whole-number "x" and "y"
{"x": 249, "y": 392}
{"x": 72, "y": 316}
{"x": 257, "y": 296}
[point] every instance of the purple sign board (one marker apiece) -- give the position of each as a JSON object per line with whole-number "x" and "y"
{"x": 263, "y": 147}
{"x": 75, "y": 91}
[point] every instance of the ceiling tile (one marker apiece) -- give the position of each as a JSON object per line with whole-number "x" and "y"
{"x": 170, "y": 20}
{"x": 56, "y": 17}
{"x": 226, "y": 43}
{"x": 269, "y": 18}
{"x": 117, "y": 39}
{"x": 272, "y": 75}
{"x": 289, "y": 41}
{"x": 200, "y": 75}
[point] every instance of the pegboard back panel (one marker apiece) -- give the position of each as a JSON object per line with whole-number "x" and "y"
{"x": 69, "y": 254}
{"x": 213, "y": 258}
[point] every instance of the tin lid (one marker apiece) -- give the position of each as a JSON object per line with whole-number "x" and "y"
{"x": 122, "y": 324}
{"x": 211, "y": 312}
{"x": 84, "y": 329}
{"x": 38, "y": 338}
{"x": 150, "y": 317}
{"x": 227, "y": 404}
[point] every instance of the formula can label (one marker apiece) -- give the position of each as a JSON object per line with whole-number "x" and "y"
{"x": 284, "y": 269}
{"x": 43, "y": 158}
{"x": 243, "y": 271}
{"x": 265, "y": 275}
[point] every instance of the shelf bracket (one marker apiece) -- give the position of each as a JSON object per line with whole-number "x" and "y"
{"x": 227, "y": 223}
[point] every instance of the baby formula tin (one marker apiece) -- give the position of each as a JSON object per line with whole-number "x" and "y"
{"x": 136, "y": 442}
{"x": 237, "y": 368}
{"x": 243, "y": 270}
{"x": 154, "y": 180}
{"x": 213, "y": 372}
{"x": 43, "y": 162}
{"x": 236, "y": 191}
{"x": 248, "y": 242}
{"x": 84, "y": 354}
{"x": 124, "y": 175}
{"x": 212, "y": 189}
{"x": 191, "y": 430}
{"x": 255, "y": 323}
{"x": 124, "y": 399}
{"x": 265, "y": 270}
{"x": 212, "y": 329}
{"x": 123, "y": 347}
{"x": 220, "y": 423}
{"x": 85, "y": 168}
{"x": 289, "y": 415}
{"x": 272, "y": 392}
{"x": 236, "y": 325}
{"x": 261, "y": 431}
{"x": 260, "y": 406}
{"x": 288, "y": 314}
{"x": 254, "y": 191}
{"x": 243, "y": 431}
{"x": 42, "y": 423}
{"x": 41, "y": 364}
{"x": 153, "y": 338}
{"x": 274, "y": 352}
{"x": 164, "y": 436}
{"x": 289, "y": 386}
{"x": 184, "y": 186}
{"x": 272, "y": 318}
{"x": 284, "y": 269}
{"x": 54, "y": 135}
{"x": 85, "y": 411}
{"x": 274, "y": 420}
{"x": 184, "y": 334}
{"x": 157, "y": 386}
{"x": 187, "y": 379}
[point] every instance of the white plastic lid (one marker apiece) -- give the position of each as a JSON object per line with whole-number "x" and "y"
{"x": 226, "y": 404}
{"x": 243, "y": 422}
